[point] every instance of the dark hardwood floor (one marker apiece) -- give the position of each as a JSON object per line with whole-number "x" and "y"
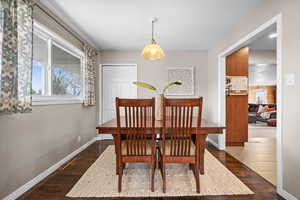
{"x": 58, "y": 184}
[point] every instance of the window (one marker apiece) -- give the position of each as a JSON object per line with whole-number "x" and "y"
{"x": 66, "y": 78}
{"x": 39, "y": 65}
{"x": 57, "y": 72}
{"x": 260, "y": 96}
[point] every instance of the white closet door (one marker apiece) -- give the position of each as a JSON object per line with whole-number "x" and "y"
{"x": 116, "y": 82}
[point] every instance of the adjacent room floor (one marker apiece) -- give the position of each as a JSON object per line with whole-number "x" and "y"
{"x": 259, "y": 153}
{"x": 57, "y": 185}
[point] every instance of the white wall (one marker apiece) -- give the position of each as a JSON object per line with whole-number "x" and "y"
{"x": 291, "y": 64}
{"x": 155, "y": 72}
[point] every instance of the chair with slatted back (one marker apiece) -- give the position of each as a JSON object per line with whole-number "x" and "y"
{"x": 179, "y": 125}
{"x": 135, "y": 122}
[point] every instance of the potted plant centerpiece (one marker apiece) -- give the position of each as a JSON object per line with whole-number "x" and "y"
{"x": 159, "y": 95}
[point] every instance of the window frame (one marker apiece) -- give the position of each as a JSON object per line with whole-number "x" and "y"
{"x": 54, "y": 39}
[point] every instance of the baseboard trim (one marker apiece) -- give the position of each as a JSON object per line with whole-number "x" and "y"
{"x": 286, "y": 195}
{"x": 24, "y": 188}
{"x": 213, "y": 143}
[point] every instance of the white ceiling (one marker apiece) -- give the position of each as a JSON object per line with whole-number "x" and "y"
{"x": 125, "y": 25}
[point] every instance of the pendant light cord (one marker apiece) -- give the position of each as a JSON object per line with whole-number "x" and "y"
{"x": 153, "y": 41}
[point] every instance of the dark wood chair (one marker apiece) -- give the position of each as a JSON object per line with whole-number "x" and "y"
{"x": 176, "y": 145}
{"x": 138, "y": 144}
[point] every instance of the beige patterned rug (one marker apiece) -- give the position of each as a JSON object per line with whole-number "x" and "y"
{"x": 100, "y": 180}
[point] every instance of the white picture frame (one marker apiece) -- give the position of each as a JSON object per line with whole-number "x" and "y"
{"x": 185, "y": 75}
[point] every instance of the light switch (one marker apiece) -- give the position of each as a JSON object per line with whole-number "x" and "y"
{"x": 290, "y": 79}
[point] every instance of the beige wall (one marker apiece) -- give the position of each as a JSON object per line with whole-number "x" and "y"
{"x": 31, "y": 143}
{"x": 155, "y": 72}
{"x": 291, "y": 62}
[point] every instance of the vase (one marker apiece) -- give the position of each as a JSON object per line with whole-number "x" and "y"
{"x": 158, "y": 106}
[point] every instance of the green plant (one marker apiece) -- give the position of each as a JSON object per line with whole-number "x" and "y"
{"x": 145, "y": 85}
{"x": 170, "y": 85}
{"x": 151, "y": 87}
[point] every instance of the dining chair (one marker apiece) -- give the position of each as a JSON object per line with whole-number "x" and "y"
{"x": 176, "y": 144}
{"x": 136, "y": 123}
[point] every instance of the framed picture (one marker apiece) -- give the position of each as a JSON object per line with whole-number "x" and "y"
{"x": 185, "y": 75}
{"x": 236, "y": 85}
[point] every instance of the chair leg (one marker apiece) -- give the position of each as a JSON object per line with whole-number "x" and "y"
{"x": 164, "y": 176}
{"x": 190, "y": 166}
{"x": 197, "y": 178}
{"x": 120, "y": 170}
{"x": 152, "y": 175}
{"x": 117, "y": 164}
{"x": 201, "y": 163}
{"x": 117, "y": 168}
{"x": 160, "y": 165}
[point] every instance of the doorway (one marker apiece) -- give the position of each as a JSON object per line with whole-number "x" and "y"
{"x": 276, "y": 21}
{"x": 258, "y": 149}
{"x": 117, "y": 81}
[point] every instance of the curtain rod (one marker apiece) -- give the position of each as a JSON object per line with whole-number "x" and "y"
{"x": 59, "y": 23}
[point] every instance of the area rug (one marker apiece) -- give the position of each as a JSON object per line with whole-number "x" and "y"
{"x": 100, "y": 180}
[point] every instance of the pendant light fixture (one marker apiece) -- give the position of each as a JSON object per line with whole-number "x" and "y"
{"x": 153, "y": 51}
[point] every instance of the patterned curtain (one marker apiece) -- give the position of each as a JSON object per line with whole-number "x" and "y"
{"x": 90, "y": 76}
{"x": 15, "y": 55}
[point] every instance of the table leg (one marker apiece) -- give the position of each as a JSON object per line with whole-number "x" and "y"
{"x": 116, "y": 151}
{"x": 201, "y": 153}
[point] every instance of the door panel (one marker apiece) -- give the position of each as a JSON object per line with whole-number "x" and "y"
{"x": 237, "y": 106}
{"x": 116, "y": 82}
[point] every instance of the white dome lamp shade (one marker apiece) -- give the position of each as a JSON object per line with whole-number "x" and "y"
{"x": 153, "y": 51}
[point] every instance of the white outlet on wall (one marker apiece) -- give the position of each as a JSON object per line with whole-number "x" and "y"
{"x": 79, "y": 138}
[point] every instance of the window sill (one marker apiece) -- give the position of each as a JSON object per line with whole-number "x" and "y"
{"x": 36, "y": 101}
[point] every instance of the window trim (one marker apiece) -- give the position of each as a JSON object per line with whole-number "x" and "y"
{"x": 53, "y": 38}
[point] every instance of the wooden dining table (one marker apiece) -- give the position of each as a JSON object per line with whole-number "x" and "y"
{"x": 207, "y": 127}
